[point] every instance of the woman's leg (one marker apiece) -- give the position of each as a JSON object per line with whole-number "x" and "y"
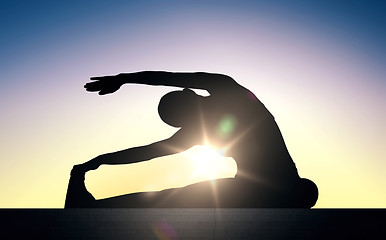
{"x": 220, "y": 193}
{"x": 195, "y": 195}
{"x": 198, "y": 195}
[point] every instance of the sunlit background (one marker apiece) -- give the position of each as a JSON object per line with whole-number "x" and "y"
{"x": 318, "y": 66}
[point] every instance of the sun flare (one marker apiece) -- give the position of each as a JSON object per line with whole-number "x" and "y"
{"x": 209, "y": 162}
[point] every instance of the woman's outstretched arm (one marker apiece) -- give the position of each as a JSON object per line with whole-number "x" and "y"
{"x": 199, "y": 80}
{"x": 175, "y": 144}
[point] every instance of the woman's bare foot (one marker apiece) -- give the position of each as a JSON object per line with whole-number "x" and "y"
{"x": 77, "y": 194}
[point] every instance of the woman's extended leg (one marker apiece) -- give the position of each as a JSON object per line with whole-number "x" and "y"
{"x": 220, "y": 193}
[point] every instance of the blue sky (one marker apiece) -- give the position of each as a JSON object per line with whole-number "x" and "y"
{"x": 27, "y": 26}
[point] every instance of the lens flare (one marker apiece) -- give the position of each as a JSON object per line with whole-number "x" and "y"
{"x": 164, "y": 231}
{"x": 226, "y": 126}
{"x": 208, "y": 161}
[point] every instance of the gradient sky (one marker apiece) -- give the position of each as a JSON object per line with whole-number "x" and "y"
{"x": 318, "y": 66}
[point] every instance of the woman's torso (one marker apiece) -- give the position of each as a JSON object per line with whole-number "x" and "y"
{"x": 241, "y": 126}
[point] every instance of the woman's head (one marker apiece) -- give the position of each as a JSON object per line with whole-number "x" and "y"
{"x": 178, "y": 107}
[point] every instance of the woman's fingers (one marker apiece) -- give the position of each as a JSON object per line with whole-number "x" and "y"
{"x": 103, "y": 85}
{"x": 98, "y": 78}
{"x": 92, "y": 86}
{"x": 102, "y": 77}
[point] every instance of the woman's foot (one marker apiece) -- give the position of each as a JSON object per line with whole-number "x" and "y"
{"x": 77, "y": 194}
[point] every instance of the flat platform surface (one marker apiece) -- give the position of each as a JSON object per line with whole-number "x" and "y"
{"x": 193, "y": 223}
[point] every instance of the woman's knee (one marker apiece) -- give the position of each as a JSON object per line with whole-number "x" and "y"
{"x": 308, "y": 193}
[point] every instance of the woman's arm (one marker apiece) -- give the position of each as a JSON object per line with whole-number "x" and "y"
{"x": 199, "y": 80}
{"x": 175, "y": 144}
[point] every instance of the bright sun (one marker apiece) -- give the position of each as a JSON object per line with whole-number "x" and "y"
{"x": 210, "y": 163}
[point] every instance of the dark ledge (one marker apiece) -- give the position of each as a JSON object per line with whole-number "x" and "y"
{"x": 193, "y": 223}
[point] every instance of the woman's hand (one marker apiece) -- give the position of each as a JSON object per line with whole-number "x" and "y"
{"x": 105, "y": 84}
{"x": 93, "y": 164}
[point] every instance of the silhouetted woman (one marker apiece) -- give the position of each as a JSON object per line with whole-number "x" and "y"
{"x": 230, "y": 118}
